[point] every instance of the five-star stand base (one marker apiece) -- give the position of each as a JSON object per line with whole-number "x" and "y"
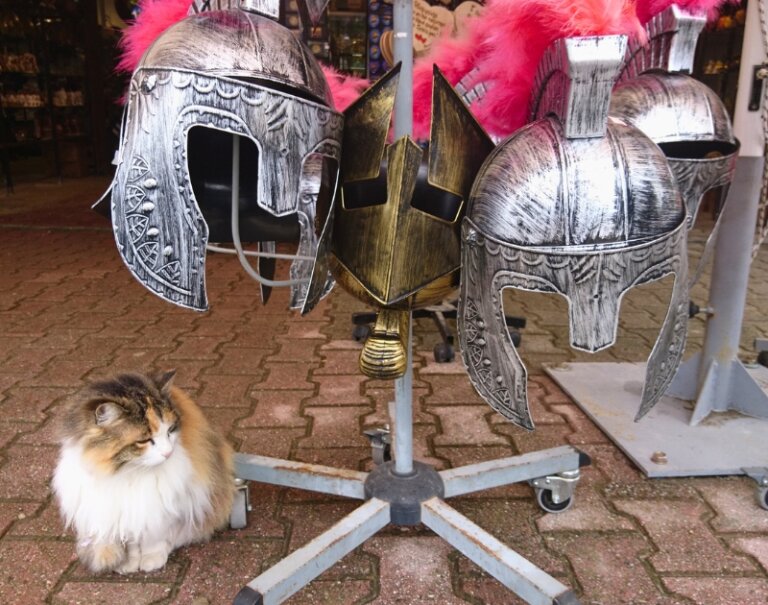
{"x": 411, "y": 499}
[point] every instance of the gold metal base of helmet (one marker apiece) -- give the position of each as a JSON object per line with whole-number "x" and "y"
{"x": 385, "y": 354}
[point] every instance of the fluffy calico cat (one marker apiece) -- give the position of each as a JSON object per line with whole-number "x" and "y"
{"x": 140, "y": 473}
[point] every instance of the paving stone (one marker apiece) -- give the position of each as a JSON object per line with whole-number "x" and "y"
{"x": 461, "y": 456}
{"x": 485, "y": 589}
{"x": 757, "y": 547}
{"x": 46, "y": 521}
{"x": 382, "y": 397}
{"x": 413, "y": 570}
{"x": 10, "y": 431}
{"x": 106, "y": 593}
{"x": 29, "y": 405}
{"x": 196, "y": 347}
{"x": 432, "y": 367}
{"x": 25, "y": 472}
{"x": 735, "y": 504}
{"x": 273, "y": 442}
{"x": 339, "y": 390}
{"x": 335, "y": 426}
{"x": 465, "y": 425}
{"x": 511, "y": 521}
{"x": 29, "y": 570}
{"x": 217, "y": 570}
{"x": 65, "y": 372}
{"x": 610, "y": 569}
{"x": 276, "y": 408}
{"x": 309, "y": 330}
{"x": 289, "y": 376}
{"x": 588, "y": 513}
{"x": 264, "y": 519}
{"x": 334, "y": 592}
{"x": 46, "y": 433}
{"x": 447, "y": 389}
{"x": 296, "y": 350}
{"x": 15, "y": 512}
{"x": 584, "y": 431}
{"x": 239, "y": 360}
{"x": 334, "y": 361}
{"x": 225, "y": 391}
{"x": 684, "y": 541}
{"x": 721, "y": 591}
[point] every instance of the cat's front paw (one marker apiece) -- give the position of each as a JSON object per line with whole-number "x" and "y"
{"x": 101, "y": 557}
{"x": 153, "y": 560}
{"x": 132, "y": 560}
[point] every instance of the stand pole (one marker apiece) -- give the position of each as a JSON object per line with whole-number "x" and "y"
{"x": 403, "y": 413}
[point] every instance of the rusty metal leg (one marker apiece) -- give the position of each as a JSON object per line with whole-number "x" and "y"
{"x": 312, "y": 477}
{"x": 303, "y": 565}
{"x": 522, "y": 577}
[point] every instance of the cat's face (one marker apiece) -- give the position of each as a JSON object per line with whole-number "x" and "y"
{"x": 126, "y": 422}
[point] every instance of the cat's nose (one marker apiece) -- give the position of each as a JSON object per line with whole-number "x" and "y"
{"x": 167, "y": 454}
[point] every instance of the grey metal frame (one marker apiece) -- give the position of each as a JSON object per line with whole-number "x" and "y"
{"x": 515, "y": 572}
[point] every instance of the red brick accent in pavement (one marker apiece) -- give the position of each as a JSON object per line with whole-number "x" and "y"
{"x": 287, "y": 386}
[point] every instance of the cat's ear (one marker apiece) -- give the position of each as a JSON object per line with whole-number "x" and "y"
{"x": 107, "y": 412}
{"x": 164, "y": 380}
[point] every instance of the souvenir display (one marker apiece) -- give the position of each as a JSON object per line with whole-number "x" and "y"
{"x": 208, "y": 80}
{"x": 574, "y": 204}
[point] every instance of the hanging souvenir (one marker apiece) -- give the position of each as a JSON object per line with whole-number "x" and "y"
{"x": 573, "y": 204}
{"x": 657, "y": 94}
{"x": 213, "y": 86}
{"x": 395, "y": 237}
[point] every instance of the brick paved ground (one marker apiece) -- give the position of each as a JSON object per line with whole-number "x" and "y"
{"x": 286, "y": 386}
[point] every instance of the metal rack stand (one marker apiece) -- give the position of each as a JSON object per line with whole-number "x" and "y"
{"x": 672, "y": 441}
{"x": 406, "y": 492}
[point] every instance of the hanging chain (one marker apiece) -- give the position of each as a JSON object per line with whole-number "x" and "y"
{"x": 762, "y": 217}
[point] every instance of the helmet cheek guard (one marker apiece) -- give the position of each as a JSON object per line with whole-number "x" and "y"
{"x": 566, "y": 207}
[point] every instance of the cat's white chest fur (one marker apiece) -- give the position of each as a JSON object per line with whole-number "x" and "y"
{"x": 136, "y": 504}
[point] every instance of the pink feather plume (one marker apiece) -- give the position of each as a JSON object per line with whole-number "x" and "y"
{"x": 344, "y": 89}
{"x": 505, "y": 44}
{"x": 155, "y": 16}
{"x": 648, "y": 8}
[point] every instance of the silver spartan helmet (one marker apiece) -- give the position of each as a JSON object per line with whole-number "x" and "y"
{"x": 219, "y": 85}
{"x": 573, "y": 204}
{"x": 656, "y": 94}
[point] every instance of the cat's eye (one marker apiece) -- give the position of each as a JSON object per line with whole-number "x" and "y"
{"x": 173, "y": 428}
{"x": 145, "y": 441}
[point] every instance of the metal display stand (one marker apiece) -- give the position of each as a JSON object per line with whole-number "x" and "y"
{"x": 403, "y": 491}
{"x": 673, "y": 440}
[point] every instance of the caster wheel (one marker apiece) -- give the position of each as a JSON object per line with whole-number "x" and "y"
{"x": 545, "y": 502}
{"x": 361, "y": 333}
{"x": 238, "y": 518}
{"x": 443, "y": 352}
{"x": 762, "y": 358}
{"x": 762, "y": 497}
